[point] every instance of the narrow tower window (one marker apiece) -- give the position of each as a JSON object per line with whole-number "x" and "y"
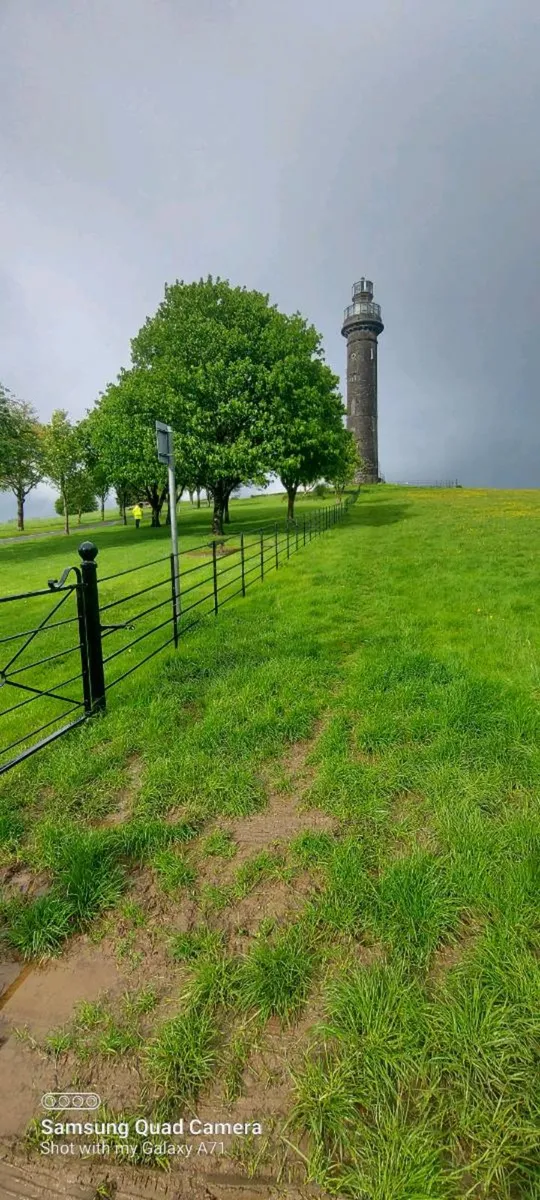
{"x": 372, "y": 353}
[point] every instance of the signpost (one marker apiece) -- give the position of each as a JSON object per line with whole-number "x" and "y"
{"x": 165, "y": 453}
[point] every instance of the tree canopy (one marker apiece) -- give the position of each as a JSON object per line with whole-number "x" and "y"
{"x": 228, "y": 372}
{"x": 21, "y": 449}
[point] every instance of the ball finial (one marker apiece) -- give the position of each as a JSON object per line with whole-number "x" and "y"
{"x": 88, "y": 551}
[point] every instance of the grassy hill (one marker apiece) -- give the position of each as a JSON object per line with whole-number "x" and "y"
{"x": 309, "y": 840}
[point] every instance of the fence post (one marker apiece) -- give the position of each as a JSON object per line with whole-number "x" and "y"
{"x": 296, "y": 530}
{"x": 214, "y": 565}
{"x": 87, "y": 695}
{"x": 262, "y": 553}
{"x": 288, "y": 539}
{"x": 276, "y": 543}
{"x": 304, "y": 529}
{"x": 92, "y": 622}
{"x": 243, "y": 564}
{"x": 175, "y": 605}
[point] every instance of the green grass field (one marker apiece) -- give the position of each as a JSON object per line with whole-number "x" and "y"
{"x": 323, "y": 812}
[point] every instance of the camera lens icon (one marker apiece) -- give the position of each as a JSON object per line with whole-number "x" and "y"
{"x": 70, "y": 1100}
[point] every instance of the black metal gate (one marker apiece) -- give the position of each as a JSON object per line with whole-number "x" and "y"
{"x": 77, "y": 696}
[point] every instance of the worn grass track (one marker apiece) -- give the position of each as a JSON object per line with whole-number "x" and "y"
{"x": 323, "y": 813}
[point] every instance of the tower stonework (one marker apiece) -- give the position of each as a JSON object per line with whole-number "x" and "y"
{"x": 362, "y": 325}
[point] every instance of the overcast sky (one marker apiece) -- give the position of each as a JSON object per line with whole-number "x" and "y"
{"x": 292, "y": 146}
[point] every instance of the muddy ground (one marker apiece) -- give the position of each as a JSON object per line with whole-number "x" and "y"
{"x": 37, "y": 999}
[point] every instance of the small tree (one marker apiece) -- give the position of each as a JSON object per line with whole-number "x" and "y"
{"x": 123, "y": 437}
{"x": 83, "y": 498}
{"x": 124, "y": 496}
{"x": 307, "y": 412}
{"x": 83, "y": 494}
{"x": 62, "y": 453}
{"x": 94, "y": 466}
{"x": 101, "y": 487}
{"x": 21, "y": 450}
{"x": 347, "y": 464}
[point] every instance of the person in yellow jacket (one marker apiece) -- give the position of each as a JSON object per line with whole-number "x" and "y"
{"x": 137, "y": 513}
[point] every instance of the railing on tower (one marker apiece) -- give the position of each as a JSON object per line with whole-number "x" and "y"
{"x": 363, "y": 308}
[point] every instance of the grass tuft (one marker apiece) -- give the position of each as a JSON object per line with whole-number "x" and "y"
{"x": 276, "y": 976}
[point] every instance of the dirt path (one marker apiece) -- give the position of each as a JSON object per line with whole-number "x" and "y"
{"x": 25, "y": 1181}
{"x": 36, "y": 999}
{"x": 28, "y": 537}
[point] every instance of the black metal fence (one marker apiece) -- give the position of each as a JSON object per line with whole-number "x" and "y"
{"x": 184, "y": 594}
{"x": 425, "y": 483}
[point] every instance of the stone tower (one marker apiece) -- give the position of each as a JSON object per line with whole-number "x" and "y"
{"x": 362, "y": 325}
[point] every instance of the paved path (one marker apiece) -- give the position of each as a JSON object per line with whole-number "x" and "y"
{"x": 26, "y": 537}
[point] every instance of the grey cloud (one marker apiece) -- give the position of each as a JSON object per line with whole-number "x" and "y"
{"x": 291, "y": 146}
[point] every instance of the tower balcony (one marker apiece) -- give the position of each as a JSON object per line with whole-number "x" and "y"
{"x": 362, "y": 313}
{"x": 366, "y": 308}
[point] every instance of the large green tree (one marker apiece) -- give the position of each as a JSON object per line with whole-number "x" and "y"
{"x": 201, "y": 364}
{"x": 62, "y": 458}
{"x": 228, "y": 372}
{"x": 209, "y": 349}
{"x": 21, "y": 449}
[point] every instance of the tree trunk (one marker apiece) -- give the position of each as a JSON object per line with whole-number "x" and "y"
{"x": 191, "y": 494}
{"x": 198, "y": 497}
{"x": 20, "y": 508}
{"x": 291, "y": 497}
{"x": 66, "y": 514}
{"x": 103, "y": 508}
{"x": 79, "y": 517}
{"x": 219, "y": 497}
{"x": 156, "y": 500}
{"x": 124, "y": 513}
{"x": 226, "y": 511}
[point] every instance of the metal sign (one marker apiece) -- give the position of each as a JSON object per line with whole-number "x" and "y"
{"x": 164, "y": 441}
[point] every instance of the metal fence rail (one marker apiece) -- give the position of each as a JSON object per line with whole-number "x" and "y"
{"x": 425, "y": 483}
{"x": 230, "y": 565}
